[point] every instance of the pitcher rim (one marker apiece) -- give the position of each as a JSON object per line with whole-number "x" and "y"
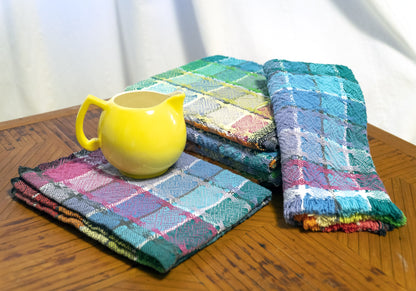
{"x": 167, "y": 95}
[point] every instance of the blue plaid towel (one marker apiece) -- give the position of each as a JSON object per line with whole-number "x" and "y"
{"x": 329, "y": 179}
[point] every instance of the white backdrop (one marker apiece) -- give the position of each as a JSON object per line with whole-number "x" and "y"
{"x": 54, "y": 53}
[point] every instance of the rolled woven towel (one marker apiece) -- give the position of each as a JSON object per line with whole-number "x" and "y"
{"x": 329, "y": 179}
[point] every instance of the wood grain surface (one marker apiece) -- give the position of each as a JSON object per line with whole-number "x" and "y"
{"x": 262, "y": 253}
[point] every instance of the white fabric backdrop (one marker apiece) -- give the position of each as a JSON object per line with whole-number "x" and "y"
{"x": 54, "y": 53}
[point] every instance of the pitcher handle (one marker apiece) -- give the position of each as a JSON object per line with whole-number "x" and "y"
{"x": 94, "y": 143}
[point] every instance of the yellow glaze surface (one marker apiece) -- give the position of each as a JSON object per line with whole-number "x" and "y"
{"x": 141, "y": 133}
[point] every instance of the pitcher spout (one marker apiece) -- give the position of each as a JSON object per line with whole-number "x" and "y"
{"x": 176, "y": 101}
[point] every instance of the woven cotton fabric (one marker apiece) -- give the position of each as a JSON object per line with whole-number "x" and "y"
{"x": 228, "y": 113}
{"x": 313, "y": 118}
{"x": 264, "y": 167}
{"x": 329, "y": 178}
{"x": 225, "y": 96}
{"x": 157, "y": 222}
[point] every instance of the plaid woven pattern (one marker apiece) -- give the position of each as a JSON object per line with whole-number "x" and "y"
{"x": 225, "y": 96}
{"x": 264, "y": 167}
{"x": 157, "y": 222}
{"x": 329, "y": 179}
{"x": 228, "y": 113}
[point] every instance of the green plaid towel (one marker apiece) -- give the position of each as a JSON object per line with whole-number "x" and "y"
{"x": 225, "y": 96}
{"x": 228, "y": 113}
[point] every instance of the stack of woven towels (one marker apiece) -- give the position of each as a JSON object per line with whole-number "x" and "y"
{"x": 298, "y": 125}
{"x": 302, "y": 125}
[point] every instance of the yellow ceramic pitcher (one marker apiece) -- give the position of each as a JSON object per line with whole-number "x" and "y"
{"x": 141, "y": 133}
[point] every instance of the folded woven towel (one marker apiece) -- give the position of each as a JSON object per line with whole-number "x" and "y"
{"x": 264, "y": 167}
{"x": 225, "y": 96}
{"x": 157, "y": 222}
{"x": 329, "y": 179}
{"x": 228, "y": 113}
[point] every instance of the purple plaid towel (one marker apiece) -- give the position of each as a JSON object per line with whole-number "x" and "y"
{"x": 157, "y": 222}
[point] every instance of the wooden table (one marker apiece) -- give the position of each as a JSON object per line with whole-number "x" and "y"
{"x": 37, "y": 252}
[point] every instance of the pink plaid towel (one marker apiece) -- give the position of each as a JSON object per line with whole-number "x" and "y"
{"x": 157, "y": 222}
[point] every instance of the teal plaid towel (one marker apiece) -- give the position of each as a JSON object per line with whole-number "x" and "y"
{"x": 157, "y": 222}
{"x": 262, "y": 166}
